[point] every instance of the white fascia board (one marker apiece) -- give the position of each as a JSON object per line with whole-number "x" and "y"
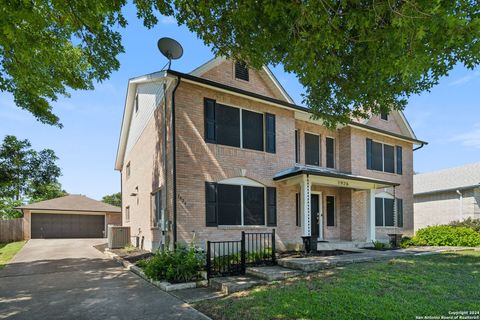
{"x": 128, "y": 111}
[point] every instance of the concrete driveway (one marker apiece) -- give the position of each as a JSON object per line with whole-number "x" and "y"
{"x": 70, "y": 279}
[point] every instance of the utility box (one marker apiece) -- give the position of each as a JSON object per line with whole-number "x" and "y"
{"x": 118, "y": 237}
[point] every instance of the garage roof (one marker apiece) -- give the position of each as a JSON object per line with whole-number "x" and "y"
{"x": 72, "y": 202}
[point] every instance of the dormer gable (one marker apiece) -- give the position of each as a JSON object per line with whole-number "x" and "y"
{"x": 238, "y": 75}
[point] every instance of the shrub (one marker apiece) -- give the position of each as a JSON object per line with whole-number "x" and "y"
{"x": 473, "y": 224}
{"x": 406, "y": 242}
{"x": 378, "y": 245}
{"x": 180, "y": 265}
{"x": 443, "y": 235}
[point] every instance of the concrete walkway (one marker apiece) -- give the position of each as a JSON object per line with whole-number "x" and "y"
{"x": 69, "y": 279}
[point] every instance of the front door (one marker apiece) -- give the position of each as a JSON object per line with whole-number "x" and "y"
{"x": 315, "y": 215}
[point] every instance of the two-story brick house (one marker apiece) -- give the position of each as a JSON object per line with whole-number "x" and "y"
{"x": 247, "y": 158}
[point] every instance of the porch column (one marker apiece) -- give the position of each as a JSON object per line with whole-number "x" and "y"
{"x": 306, "y": 187}
{"x": 371, "y": 215}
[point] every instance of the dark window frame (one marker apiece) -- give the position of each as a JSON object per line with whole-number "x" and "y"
{"x": 372, "y": 158}
{"x": 297, "y": 146}
{"x": 384, "y": 201}
{"x": 242, "y": 206}
{"x": 334, "y": 210}
{"x": 330, "y": 161}
{"x": 298, "y": 210}
{"x": 384, "y": 116}
{"x": 319, "y": 153}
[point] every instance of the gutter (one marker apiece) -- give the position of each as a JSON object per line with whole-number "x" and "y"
{"x": 174, "y": 165}
{"x": 280, "y": 103}
{"x": 419, "y": 147}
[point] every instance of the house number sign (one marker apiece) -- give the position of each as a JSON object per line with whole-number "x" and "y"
{"x": 343, "y": 183}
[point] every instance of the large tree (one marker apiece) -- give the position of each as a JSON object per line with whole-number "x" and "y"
{"x": 353, "y": 57}
{"x": 26, "y": 175}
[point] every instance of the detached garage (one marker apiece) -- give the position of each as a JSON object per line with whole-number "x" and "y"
{"x": 72, "y": 216}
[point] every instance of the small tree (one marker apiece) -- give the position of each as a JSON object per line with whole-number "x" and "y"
{"x": 113, "y": 199}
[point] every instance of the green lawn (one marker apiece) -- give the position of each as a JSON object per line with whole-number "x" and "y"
{"x": 8, "y": 251}
{"x": 398, "y": 289}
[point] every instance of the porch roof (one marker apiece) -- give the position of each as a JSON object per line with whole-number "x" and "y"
{"x": 333, "y": 178}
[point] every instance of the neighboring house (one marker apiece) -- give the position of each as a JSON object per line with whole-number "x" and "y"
{"x": 71, "y": 216}
{"x": 247, "y": 158}
{"x": 447, "y": 195}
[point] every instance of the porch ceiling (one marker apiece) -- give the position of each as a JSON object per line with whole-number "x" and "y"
{"x": 331, "y": 178}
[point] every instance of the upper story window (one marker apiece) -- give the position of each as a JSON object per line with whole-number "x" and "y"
{"x": 330, "y": 151}
{"x": 157, "y": 217}
{"x": 241, "y": 71}
{"x": 384, "y": 116}
{"x": 330, "y": 211}
{"x": 127, "y": 170}
{"x": 312, "y": 149}
{"x": 381, "y": 157}
{"x": 241, "y": 128}
{"x": 297, "y": 147}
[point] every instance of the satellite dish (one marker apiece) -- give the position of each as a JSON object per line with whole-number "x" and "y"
{"x": 170, "y": 48}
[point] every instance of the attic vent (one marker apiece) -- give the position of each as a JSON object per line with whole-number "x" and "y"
{"x": 241, "y": 71}
{"x": 384, "y": 116}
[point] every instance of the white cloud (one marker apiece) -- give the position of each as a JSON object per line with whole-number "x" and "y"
{"x": 168, "y": 20}
{"x": 469, "y": 138}
{"x": 467, "y": 78}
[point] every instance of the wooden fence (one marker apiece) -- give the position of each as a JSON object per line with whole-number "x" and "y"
{"x": 11, "y": 230}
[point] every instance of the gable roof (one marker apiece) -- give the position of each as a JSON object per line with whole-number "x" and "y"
{"x": 72, "y": 202}
{"x": 467, "y": 176}
{"x": 268, "y": 75}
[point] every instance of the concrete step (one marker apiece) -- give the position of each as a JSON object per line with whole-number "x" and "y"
{"x": 197, "y": 294}
{"x": 341, "y": 245}
{"x": 273, "y": 273}
{"x": 229, "y": 285}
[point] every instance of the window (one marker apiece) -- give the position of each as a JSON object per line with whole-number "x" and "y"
{"x": 227, "y": 125}
{"x": 384, "y": 116}
{"x": 127, "y": 214}
{"x": 384, "y": 213}
{"x": 330, "y": 150}
{"x": 136, "y": 103}
{"x": 399, "y": 160}
{"x": 252, "y": 130}
{"x": 330, "y": 211}
{"x": 298, "y": 216}
{"x": 231, "y": 205}
{"x": 157, "y": 218}
{"x": 312, "y": 149}
{"x": 400, "y": 213}
{"x": 380, "y": 157}
{"x": 240, "y": 128}
{"x": 241, "y": 71}
{"x": 127, "y": 170}
{"x": 297, "y": 147}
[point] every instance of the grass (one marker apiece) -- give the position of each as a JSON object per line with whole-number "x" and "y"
{"x": 400, "y": 288}
{"x": 8, "y": 251}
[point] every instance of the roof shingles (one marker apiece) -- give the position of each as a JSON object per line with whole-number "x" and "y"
{"x": 73, "y": 202}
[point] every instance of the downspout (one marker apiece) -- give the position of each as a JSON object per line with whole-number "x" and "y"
{"x": 419, "y": 147}
{"x": 165, "y": 167}
{"x": 174, "y": 165}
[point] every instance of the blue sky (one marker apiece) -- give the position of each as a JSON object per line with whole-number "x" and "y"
{"x": 448, "y": 117}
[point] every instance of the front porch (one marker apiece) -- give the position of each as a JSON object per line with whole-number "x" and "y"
{"x": 336, "y": 208}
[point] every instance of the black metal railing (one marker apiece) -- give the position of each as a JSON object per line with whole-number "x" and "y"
{"x": 229, "y": 258}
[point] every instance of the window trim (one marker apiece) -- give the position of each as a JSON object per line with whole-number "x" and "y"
{"x": 264, "y": 133}
{"x": 383, "y": 157}
{"x": 242, "y": 206}
{"x": 389, "y": 197}
{"x": 319, "y": 148}
{"x": 334, "y": 152}
{"x": 334, "y": 211}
